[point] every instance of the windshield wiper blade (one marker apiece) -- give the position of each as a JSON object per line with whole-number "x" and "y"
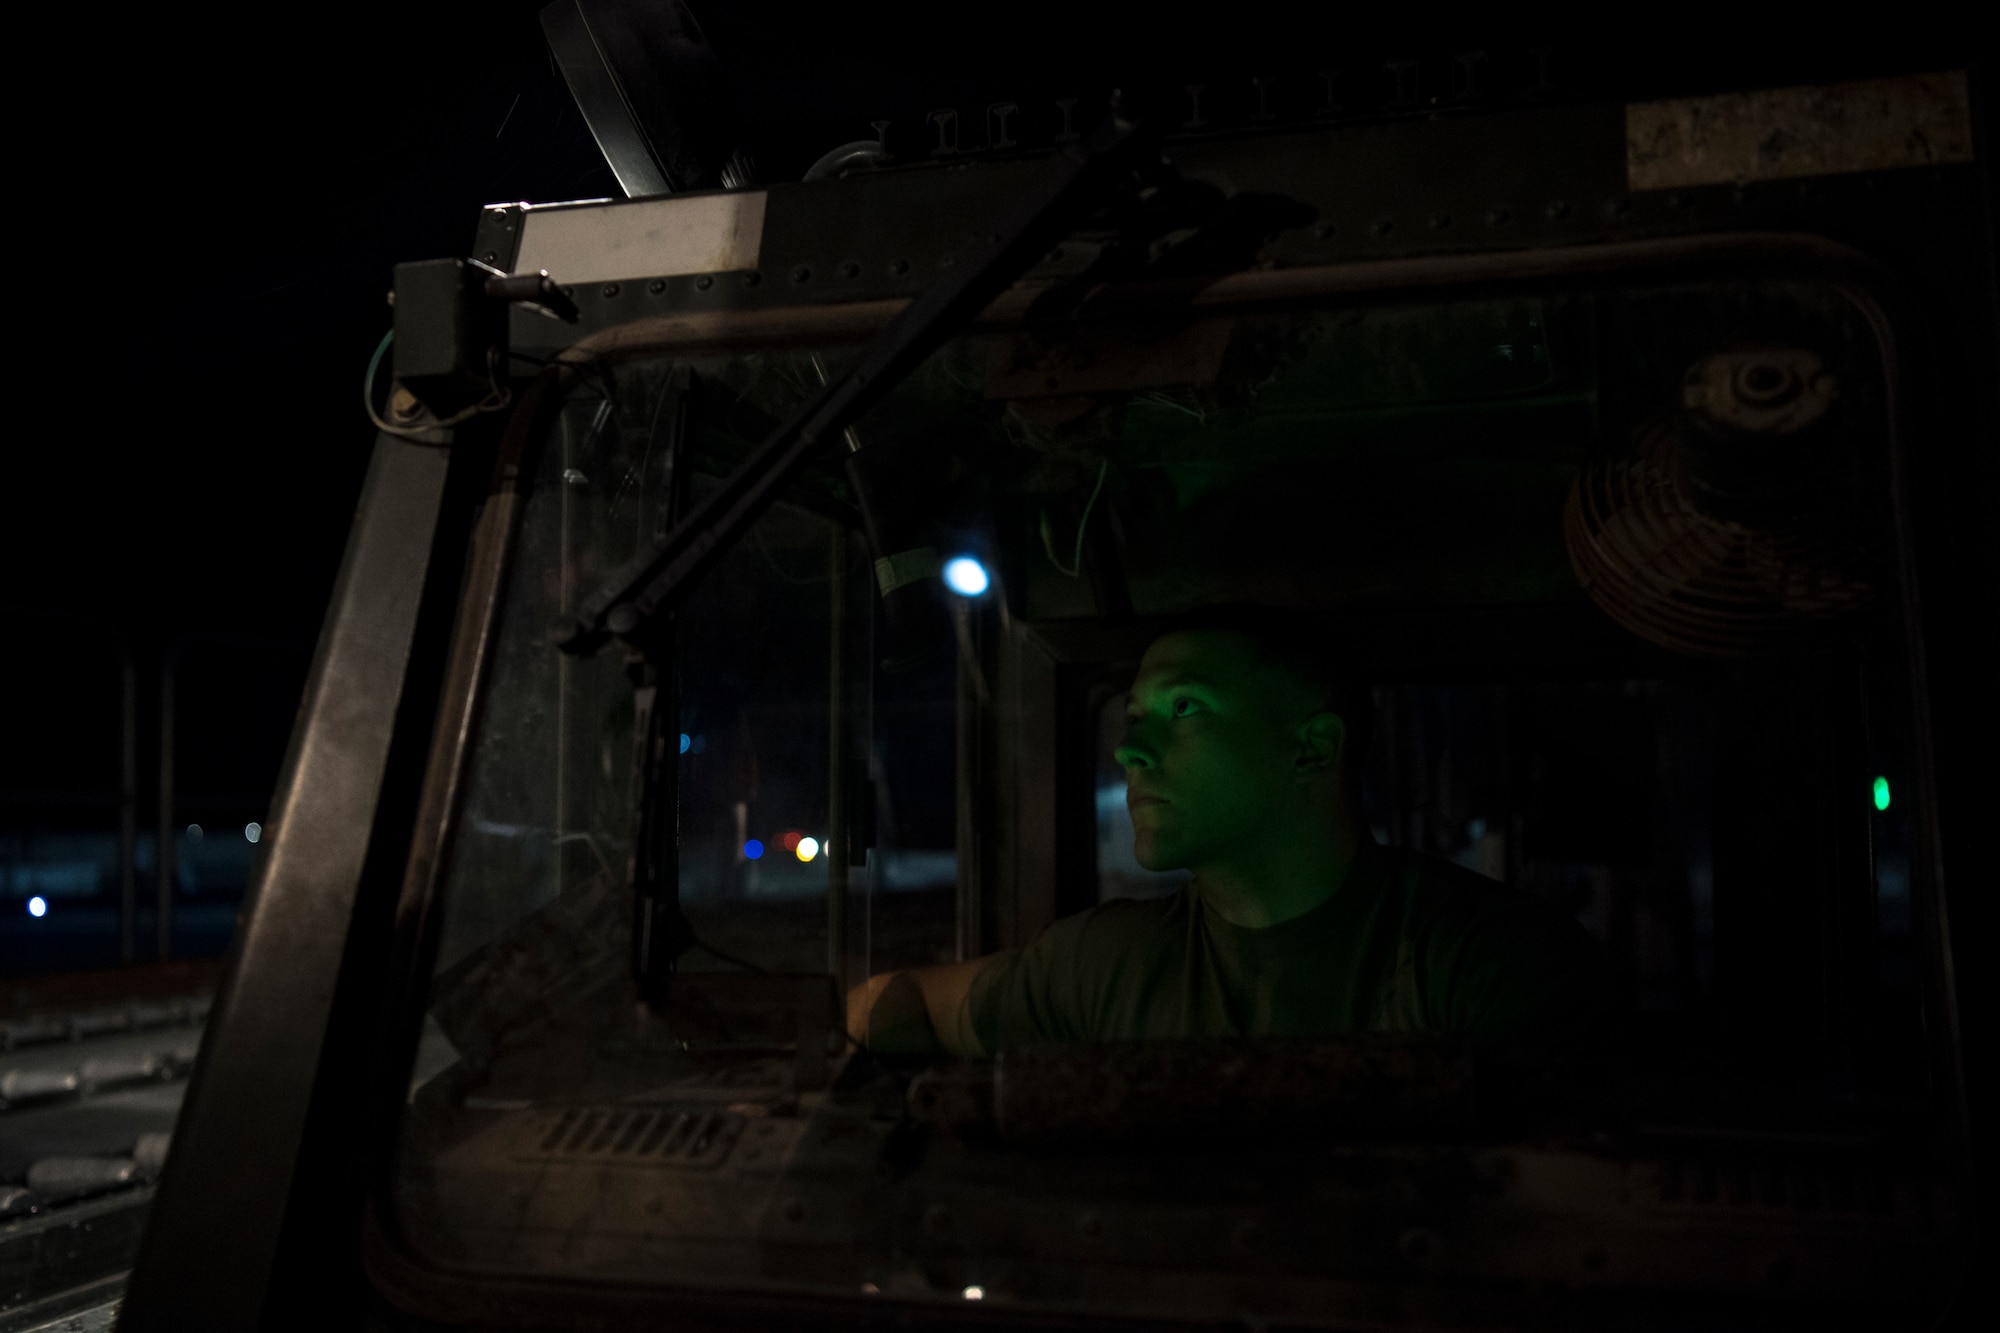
{"x": 652, "y": 582}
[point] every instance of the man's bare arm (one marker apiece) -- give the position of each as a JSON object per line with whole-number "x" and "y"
{"x": 917, "y": 1011}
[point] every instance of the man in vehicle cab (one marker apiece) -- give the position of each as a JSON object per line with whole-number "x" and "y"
{"x": 1242, "y": 754}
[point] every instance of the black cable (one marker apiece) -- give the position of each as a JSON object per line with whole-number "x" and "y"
{"x": 695, "y": 941}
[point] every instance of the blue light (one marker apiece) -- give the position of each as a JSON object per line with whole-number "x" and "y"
{"x": 686, "y": 741}
{"x": 252, "y": 831}
{"x": 38, "y": 906}
{"x": 966, "y": 576}
{"x": 752, "y": 850}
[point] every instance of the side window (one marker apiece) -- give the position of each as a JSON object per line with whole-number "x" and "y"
{"x": 1591, "y": 796}
{"x": 908, "y": 910}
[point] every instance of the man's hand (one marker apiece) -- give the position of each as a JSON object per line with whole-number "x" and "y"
{"x": 918, "y": 1011}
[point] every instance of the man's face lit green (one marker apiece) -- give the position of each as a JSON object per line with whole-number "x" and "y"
{"x": 1212, "y": 750}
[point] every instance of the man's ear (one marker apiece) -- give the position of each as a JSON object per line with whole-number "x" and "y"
{"x": 1322, "y": 742}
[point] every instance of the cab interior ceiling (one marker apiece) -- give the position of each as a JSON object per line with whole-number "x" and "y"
{"x": 1404, "y": 468}
{"x": 1408, "y": 468}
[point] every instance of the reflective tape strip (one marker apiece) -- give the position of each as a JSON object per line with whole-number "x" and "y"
{"x": 893, "y": 571}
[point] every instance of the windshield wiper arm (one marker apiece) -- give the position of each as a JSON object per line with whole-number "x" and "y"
{"x": 652, "y": 582}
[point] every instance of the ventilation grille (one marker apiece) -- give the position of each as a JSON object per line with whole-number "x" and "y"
{"x": 643, "y": 1137}
{"x": 1705, "y": 585}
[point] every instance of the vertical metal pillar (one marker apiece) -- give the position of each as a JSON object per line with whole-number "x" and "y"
{"x": 971, "y": 695}
{"x": 837, "y": 762}
{"x": 212, "y": 1254}
{"x": 165, "y": 861}
{"x": 128, "y": 803}
{"x": 564, "y": 598}
{"x": 839, "y": 733}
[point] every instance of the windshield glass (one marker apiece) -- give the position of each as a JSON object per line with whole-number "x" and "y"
{"x": 1598, "y": 864}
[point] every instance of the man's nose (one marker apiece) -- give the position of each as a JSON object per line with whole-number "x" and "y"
{"x": 1132, "y": 754}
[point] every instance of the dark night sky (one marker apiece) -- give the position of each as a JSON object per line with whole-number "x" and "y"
{"x": 218, "y": 295}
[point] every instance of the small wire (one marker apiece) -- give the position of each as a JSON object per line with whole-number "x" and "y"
{"x": 1075, "y": 566}
{"x": 697, "y": 942}
{"x": 493, "y": 402}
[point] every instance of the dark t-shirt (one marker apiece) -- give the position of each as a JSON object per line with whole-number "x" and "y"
{"x": 1408, "y": 943}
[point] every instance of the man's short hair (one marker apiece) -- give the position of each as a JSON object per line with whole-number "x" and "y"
{"x": 1303, "y": 645}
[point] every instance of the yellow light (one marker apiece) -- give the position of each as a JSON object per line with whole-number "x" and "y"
{"x": 807, "y": 849}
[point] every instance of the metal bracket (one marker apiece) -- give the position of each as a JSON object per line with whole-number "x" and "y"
{"x": 533, "y": 291}
{"x": 451, "y": 328}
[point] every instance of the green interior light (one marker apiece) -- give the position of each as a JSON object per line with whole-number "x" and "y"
{"x": 1881, "y": 793}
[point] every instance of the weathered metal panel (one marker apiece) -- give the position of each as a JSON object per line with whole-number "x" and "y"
{"x": 1784, "y": 133}
{"x": 700, "y": 233}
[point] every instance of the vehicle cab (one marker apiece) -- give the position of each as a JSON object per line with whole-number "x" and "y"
{"x": 742, "y": 603}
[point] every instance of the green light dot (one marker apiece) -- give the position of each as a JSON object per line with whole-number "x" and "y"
{"x": 1881, "y": 793}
